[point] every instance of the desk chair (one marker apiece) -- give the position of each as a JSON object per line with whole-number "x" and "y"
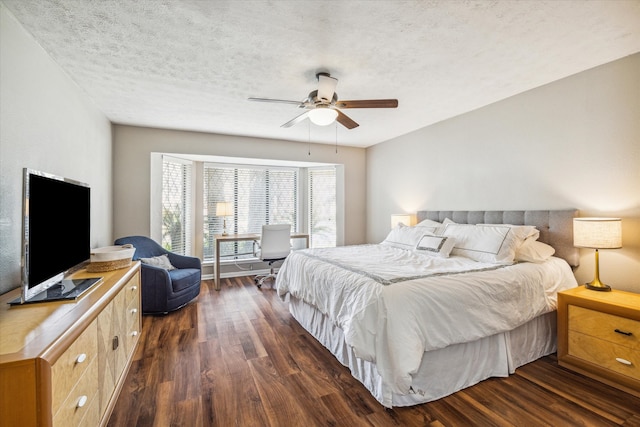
{"x": 275, "y": 245}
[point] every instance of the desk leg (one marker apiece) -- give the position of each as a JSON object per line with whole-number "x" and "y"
{"x": 216, "y": 266}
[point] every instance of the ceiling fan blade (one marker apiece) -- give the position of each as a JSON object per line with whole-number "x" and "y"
{"x": 295, "y": 120}
{"x": 368, "y": 103}
{"x": 346, "y": 121}
{"x": 281, "y": 101}
{"x": 326, "y": 87}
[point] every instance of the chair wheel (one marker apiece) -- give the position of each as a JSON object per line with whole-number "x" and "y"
{"x": 259, "y": 286}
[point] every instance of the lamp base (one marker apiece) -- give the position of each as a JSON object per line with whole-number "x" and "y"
{"x": 598, "y": 286}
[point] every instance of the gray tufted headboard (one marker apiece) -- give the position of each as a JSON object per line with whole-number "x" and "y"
{"x": 556, "y": 226}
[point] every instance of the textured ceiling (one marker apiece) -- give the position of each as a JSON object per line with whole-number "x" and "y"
{"x": 192, "y": 64}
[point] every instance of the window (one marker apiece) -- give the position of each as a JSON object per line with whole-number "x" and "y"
{"x": 259, "y": 195}
{"x": 322, "y": 207}
{"x": 176, "y": 205}
{"x": 183, "y": 214}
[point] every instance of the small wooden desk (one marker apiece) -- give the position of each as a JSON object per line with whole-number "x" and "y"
{"x": 242, "y": 238}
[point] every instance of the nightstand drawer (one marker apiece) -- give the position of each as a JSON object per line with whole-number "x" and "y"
{"x": 617, "y": 358}
{"x": 616, "y": 329}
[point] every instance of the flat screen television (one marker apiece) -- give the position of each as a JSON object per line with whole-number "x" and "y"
{"x": 56, "y": 225}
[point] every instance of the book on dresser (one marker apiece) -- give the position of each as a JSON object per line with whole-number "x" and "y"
{"x": 63, "y": 363}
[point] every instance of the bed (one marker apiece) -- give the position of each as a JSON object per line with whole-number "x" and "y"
{"x": 417, "y": 322}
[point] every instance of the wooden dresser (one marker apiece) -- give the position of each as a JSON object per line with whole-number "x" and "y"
{"x": 63, "y": 363}
{"x": 599, "y": 336}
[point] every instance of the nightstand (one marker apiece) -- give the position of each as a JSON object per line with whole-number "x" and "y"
{"x": 599, "y": 336}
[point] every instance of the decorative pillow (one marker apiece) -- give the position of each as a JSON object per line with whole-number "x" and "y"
{"x": 435, "y": 245}
{"x": 404, "y": 237}
{"x": 495, "y": 244}
{"x": 534, "y": 251}
{"x": 161, "y": 261}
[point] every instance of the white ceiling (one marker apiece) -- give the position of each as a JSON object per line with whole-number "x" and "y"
{"x": 192, "y": 64}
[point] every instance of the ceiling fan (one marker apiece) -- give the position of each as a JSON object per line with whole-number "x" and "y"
{"x": 324, "y": 107}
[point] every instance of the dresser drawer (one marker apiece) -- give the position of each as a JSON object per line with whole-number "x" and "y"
{"x": 604, "y": 326}
{"x": 92, "y": 417}
{"x": 81, "y": 400}
{"x": 72, "y": 365}
{"x": 132, "y": 289}
{"x": 132, "y": 323}
{"x": 617, "y": 358}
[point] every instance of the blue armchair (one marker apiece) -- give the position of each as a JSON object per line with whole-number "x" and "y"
{"x": 165, "y": 290}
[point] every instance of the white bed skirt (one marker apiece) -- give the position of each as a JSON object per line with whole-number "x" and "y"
{"x": 444, "y": 371}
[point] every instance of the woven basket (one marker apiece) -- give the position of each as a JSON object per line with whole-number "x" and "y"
{"x": 110, "y": 258}
{"x": 100, "y": 266}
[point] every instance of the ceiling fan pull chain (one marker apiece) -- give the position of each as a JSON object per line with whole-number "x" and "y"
{"x": 336, "y": 137}
{"x": 309, "y": 136}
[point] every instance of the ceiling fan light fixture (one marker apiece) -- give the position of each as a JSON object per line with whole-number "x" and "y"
{"x": 323, "y": 116}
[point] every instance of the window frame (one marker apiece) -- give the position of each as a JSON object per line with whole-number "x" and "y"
{"x": 197, "y": 161}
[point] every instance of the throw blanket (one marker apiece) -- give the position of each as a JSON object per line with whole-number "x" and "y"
{"x": 394, "y": 304}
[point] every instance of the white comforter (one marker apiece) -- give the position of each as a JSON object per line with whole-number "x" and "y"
{"x": 393, "y": 304}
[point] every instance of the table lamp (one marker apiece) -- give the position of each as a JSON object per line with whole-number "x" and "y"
{"x": 396, "y": 219}
{"x": 597, "y": 233}
{"x": 224, "y": 209}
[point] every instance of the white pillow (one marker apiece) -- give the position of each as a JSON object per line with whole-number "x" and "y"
{"x": 435, "y": 245}
{"x": 530, "y": 231}
{"x": 533, "y": 251}
{"x": 495, "y": 244}
{"x": 161, "y": 261}
{"x": 432, "y": 226}
{"x": 428, "y": 223}
{"x": 404, "y": 237}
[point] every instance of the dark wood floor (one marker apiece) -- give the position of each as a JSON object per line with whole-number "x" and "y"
{"x": 237, "y": 358}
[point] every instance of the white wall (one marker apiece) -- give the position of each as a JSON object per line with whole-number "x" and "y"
{"x": 48, "y": 124}
{"x": 574, "y": 143}
{"x": 133, "y": 148}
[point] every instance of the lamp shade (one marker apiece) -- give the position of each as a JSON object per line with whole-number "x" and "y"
{"x": 224, "y": 209}
{"x": 322, "y": 116}
{"x": 597, "y": 233}
{"x": 405, "y": 219}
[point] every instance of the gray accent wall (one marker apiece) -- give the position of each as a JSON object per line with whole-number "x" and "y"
{"x": 46, "y": 123}
{"x": 574, "y": 143}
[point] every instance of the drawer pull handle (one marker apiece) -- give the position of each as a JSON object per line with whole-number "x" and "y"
{"x": 134, "y": 288}
{"x": 82, "y": 401}
{"x": 115, "y": 343}
{"x": 81, "y": 358}
{"x": 134, "y": 310}
{"x": 623, "y": 361}
{"x": 623, "y": 332}
{"x": 134, "y": 333}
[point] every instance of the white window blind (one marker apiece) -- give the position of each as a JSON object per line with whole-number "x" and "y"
{"x": 259, "y": 195}
{"x": 322, "y": 207}
{"x": 176, "y": 205}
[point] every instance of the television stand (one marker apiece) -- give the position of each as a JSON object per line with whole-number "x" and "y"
{"x": 66, "y": 289}
{"x": 64, "y": 364}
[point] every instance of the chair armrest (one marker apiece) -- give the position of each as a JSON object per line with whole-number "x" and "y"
{"x": 182, "y": 261}
{"x": 155, "y": 279}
